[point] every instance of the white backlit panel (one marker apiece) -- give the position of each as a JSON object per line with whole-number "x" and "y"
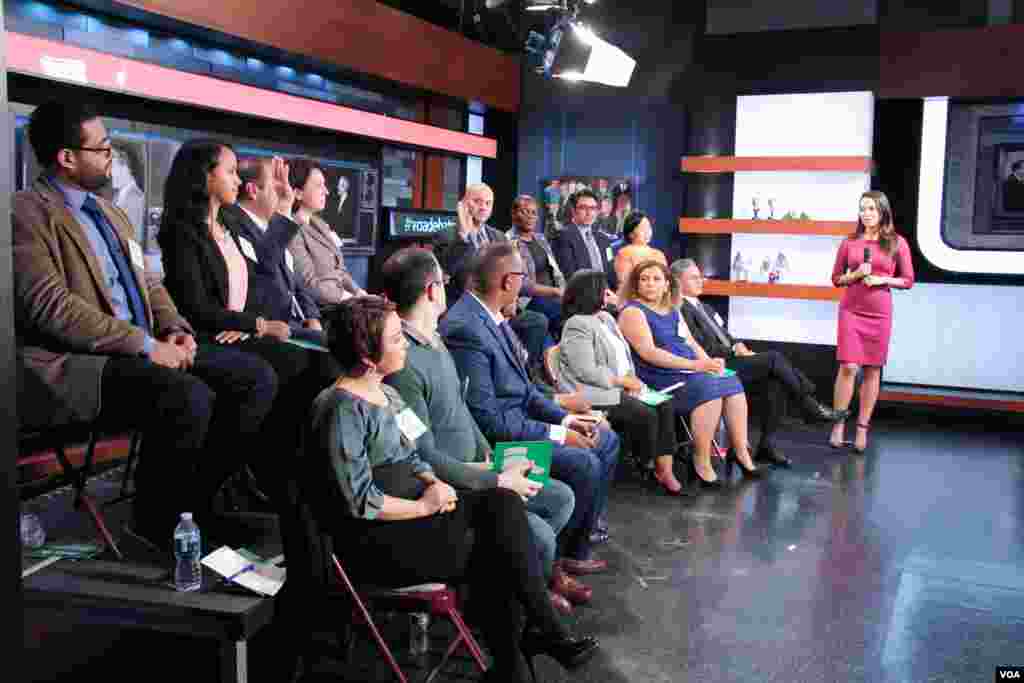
{"x": 816, "y": 124}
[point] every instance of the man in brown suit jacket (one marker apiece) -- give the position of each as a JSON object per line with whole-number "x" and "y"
{"x": 107, "y": 340}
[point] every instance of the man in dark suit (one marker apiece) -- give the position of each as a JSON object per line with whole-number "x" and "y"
{"x": 508, "y": 407}
{"x": 105, "y": 338}
{"x": 1013, "y": 188}
{"x": 769, "y": 370}
{"x": 256, "y": 216}
{"x": 455, "y": 250}
{"x": 580, "y": 245}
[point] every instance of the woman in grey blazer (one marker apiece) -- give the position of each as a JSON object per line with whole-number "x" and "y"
{"x": 316, "y": 248}
{"x": 595, "y": 359}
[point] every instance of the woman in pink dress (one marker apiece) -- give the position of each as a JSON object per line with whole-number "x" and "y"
{"x": 868, "y": 264}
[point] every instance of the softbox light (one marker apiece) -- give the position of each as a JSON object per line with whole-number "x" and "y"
{"x": 583, "y": 56}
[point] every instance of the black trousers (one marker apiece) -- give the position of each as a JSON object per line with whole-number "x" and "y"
{"x": 199, "y": 426}
{"x": 500, "y": 565}
{"x": 773, "y": 377}
{"x": 649, "y": 430}
{"x": 301, "y": 375}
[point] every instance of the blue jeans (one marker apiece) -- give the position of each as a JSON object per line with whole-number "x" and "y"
{"x": 589, "y": 473}
{"x": 547, "y": 514}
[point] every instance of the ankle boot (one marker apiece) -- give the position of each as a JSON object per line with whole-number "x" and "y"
{"x": 818, "y": 412}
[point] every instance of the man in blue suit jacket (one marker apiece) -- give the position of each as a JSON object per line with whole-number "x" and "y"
{"x": 508, "y": 407}
{"x": 256, "y": 218}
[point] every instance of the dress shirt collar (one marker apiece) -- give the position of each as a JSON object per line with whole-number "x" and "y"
{"x": 693, "y": 300}
{"x": 418, "y": 337}
{"x": 498, "y": 318}
{"x": 260, "y": 223}
{"x": 74, "y": 197}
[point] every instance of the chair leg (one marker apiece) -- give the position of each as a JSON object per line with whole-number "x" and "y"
{"x": 465, "y": 636}
{"x": 365, "y": 614}
{"x": 78, "y": 480}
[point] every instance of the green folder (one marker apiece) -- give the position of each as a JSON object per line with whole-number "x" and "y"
{"x": 302, "y": 343}
{"x": 537, "y": 452}
{"x": 653, "y": 398}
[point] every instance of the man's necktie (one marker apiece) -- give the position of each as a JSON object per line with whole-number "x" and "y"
{"x": 124, "y": 270}
{"x": 596, "y": 262}
{"x": 518, "y": 349}
{"x": 716, "y": 329}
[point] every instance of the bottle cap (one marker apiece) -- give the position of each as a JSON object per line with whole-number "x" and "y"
{"x": 186, "y": 515}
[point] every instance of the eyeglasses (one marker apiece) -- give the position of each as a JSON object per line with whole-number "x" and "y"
{"x": 587, "y": 207}
{"x": 445, "y": 280}
{"x": 105, "y": 151}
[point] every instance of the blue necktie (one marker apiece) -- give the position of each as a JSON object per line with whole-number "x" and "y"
{"x": 124, "y": 270}
{"x": 518, "y": 350}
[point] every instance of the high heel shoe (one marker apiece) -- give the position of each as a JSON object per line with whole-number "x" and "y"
{"x": 732, "y": 460}
{"x": 569, "y": 651}
{"x": 860, "y": 450}
{"x": 663, "y": 475}
{"x": 701, "y": 481}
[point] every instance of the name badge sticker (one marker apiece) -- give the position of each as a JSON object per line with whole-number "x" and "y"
{"x": 335, "y": 239}
{"x": 135, "y": 251}
{"x": 289, "y": 261}
{"x": 608, "y": 254}
{"x": 718, "y": 319}
{"x": 248, "y": 249}
{"x": 411, "y": 426}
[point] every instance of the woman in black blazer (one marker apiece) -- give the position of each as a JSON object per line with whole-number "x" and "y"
{"x": 222, "y": 303}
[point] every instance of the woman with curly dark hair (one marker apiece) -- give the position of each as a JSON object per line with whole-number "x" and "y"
{"x": 399, "y": 524}
{"x": 208, "y": 271}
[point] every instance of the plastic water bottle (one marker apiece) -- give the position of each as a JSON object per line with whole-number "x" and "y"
{"x": 188, "y": 573}
{"x": 419, "y": 638}
{"x": 33, "y": 534}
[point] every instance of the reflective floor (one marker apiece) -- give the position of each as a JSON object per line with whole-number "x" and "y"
{"x": 905, "y": 564}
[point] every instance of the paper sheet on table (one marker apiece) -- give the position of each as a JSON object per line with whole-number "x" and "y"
{"x": 653, "y": 398}
{"x": 264, "y": 579}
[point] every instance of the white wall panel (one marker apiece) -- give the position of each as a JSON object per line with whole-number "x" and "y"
{"x": 816, "y": 124}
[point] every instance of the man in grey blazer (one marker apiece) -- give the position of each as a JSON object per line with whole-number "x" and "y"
{"x": 105, "y": 338}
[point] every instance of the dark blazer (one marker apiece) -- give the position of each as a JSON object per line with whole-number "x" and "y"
{"x": 504, "y": 402}
{"x": 703, "y": 334}
{"x": 572, "y": 255}
{"x": 196, "y": 275}
{"x": 453, "y": 253}
{"x": 64, "y": 318}
{"x": 270, "y": 248}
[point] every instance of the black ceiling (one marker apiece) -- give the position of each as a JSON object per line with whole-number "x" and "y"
{"x": 499, "y": 27}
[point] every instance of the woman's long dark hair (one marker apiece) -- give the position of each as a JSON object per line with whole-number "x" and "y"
{"x": 887, "y": 238}
{"x": 186, "y": 199}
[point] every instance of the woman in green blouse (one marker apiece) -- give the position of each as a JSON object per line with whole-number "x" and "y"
{"x": 398, "y": 524}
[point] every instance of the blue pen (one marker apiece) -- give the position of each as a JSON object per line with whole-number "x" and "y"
{"x": 248, "y": 567}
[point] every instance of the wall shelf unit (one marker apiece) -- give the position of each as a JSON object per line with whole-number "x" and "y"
{"x": 728, "y": 226}
{"x": 721, "y": 164}
{"x": 772, "y": 290}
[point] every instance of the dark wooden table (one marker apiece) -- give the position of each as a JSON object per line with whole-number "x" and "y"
{"x": 137, "y": 593}
{"x": 126, "y": 594}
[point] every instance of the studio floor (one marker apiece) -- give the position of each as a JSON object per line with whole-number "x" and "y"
{"x": 904, "y": 564}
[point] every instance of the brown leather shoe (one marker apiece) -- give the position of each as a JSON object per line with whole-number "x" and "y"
{"x": 573, "y": 590}
{"x": 559, "y": 602}
{"x": 582, "y": 567}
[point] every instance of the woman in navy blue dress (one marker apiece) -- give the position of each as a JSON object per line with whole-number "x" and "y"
{"x": 665, "y": 353}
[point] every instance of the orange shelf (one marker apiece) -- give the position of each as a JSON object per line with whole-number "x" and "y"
{"x": 727, "y": 226}
{"x": 772, "y": 291}
{"x": 714, "y": 164}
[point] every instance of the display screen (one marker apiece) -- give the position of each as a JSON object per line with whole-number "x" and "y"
{"x": 417, "y": 224}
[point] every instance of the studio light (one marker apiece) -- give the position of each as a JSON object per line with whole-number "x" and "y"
{"x": 573, "y": 52}
{"x": 587, "y": 57}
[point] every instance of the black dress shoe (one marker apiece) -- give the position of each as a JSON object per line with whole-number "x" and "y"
{"x": 816, "y": 411}
{"x": 568, "y": 651}
{"x": 770, "y": 455}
